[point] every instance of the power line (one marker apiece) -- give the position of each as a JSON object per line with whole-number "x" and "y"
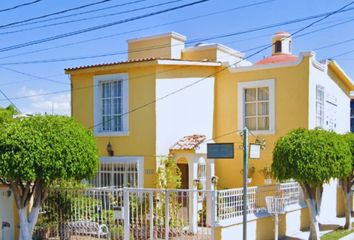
{"x": 19, "y": 6}
{"x": 342, "y": 54}
{"x": 334, "y": 44}
{"x": 109, "y": 15}
{"x": 28, "y": 80}
{"x": 77, "y": 14}
{"x": 92, "y": 18}
{"x": 302, "y": 29}
{"x": 137, "y": 30}
{"x": 54, "y": 13}
{"x": 99, "y": 27}
{"x": 221, "y": 70}
{"x": 8, "y": 99}
{"x": 161, "y": 46}
{"x": 33, "y": 76}
{"x": 307, "y": 33}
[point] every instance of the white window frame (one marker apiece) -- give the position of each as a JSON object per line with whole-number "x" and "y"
{"x": 322, "y": 125}
{"x": 130, "y": 160}
{"x": 270, "y": 83}
{"x": 97, "y": 106}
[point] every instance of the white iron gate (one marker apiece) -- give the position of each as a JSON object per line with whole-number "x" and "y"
{"x": 106, "y": 213}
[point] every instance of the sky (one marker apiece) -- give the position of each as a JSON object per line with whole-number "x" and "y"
{"x": 32, "y": 75}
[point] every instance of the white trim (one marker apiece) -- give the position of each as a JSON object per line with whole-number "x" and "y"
{"x": 272, "y": 65}
{"x": 97, "y": 109}
{"x": 217, "y": 46}
{"x": 192, "y": 63}
{"x": 174, "y": 35}
{"x": 128, "y": 159}
{"x": 240, "y": 103}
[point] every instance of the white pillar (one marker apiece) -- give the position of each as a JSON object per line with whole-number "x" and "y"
{"x": 209, "y": 186}
{"x": 193, "y": 195}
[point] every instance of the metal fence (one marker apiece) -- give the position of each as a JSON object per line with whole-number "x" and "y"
{"x": 127, "y": 214}
{"x": 132, "y": 213}
{"x": 230, "y": 202}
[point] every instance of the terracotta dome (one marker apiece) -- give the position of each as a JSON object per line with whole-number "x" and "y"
{"x": 280, "y": 58}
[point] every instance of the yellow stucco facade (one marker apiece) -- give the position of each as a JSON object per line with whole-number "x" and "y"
{"x": 153, "y": 59}
{"x": 291, "y": 101}
{"x": 142, "y": 76}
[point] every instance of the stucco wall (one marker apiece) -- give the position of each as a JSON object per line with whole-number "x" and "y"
{"x": 291, "y": 112}
{"x": 140, "y": 140}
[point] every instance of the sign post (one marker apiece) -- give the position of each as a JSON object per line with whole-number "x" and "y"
{"x": 245, "y": 180}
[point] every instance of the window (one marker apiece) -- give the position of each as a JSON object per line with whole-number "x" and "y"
{"x": 202, "y": 174}
{"x": 277, "y": 47}
{"x": 111, "y": 104}
{"x": 256, "y": 106}
{"x": 319, "y": 106}
{"x": 119, "y": 172}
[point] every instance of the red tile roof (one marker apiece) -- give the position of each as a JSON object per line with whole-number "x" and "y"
{"x": 133, "y": 61}
{"x": 111, "y": 64}
{"x": 188, "y": 142}
{"x": 278, "y": 59}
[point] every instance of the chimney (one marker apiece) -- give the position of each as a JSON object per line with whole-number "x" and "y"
{"x": 168, "y": 45}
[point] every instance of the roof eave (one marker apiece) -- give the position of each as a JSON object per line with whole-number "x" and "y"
{"x": 341, "y": 74}
{"x": 107, "y": 67}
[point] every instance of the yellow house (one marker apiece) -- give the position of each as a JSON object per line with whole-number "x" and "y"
{"x": 137, "y": 111}
{"x": 170, "y": 99}
{"x": 274, "y": 96}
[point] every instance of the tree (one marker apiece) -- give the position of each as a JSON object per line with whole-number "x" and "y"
{"x": 7, "y": 113}
{"x": 35, "y": 152}
{"x": 347, "y": 183}
{"x": 168, "y": 174}
{"x": 312, "y": 158}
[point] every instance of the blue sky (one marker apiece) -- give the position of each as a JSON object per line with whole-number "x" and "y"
{"x": 19, "y": 80}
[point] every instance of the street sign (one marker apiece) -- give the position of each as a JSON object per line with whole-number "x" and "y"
{"x": 220, "y": 150}
{"x": 255, "y": 151}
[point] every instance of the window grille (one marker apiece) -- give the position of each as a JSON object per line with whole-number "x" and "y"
{"x": 111, "y": 105}
{"x": 202, "y": 174}
{"x": 319, "y": 106}
{"x": 118, "y": 174}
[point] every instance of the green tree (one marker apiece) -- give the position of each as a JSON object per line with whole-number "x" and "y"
{"x": 312, "y": 158}
{"x": 7, "y": 113}
{"x": 347, "y": 183}
{"x": 35, "y": 152}
{"x": 169, "y": 174}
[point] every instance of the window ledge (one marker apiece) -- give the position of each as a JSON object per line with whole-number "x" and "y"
{"x": 108, "y": 134}
{"x": 263, "y": 132}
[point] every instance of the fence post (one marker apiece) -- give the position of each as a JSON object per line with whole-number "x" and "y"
{"x": 213, "y": 215}
{"x": 126, "y": 214}
{"x": 167, "y": 214}
{"x": 151, "y": 205}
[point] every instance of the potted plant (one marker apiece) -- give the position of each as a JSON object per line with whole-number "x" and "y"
{"x": 251, "y": 171}
{"x": 267, "y": 174}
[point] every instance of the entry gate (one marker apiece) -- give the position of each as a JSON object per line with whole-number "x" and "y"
{"x": 128, "y": 213}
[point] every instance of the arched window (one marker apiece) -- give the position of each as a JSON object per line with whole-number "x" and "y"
{"x": 277, "y": 46}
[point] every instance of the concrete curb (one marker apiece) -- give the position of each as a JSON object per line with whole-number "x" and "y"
{"x": 348, "y": 237}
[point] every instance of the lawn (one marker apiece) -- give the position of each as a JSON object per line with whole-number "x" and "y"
{"x": 337, "y": 234}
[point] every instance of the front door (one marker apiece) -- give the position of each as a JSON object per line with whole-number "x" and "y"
{"x": 184, "y": 170}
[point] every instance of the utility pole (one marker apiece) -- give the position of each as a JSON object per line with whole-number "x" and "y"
{"x": 245, "y": 180}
